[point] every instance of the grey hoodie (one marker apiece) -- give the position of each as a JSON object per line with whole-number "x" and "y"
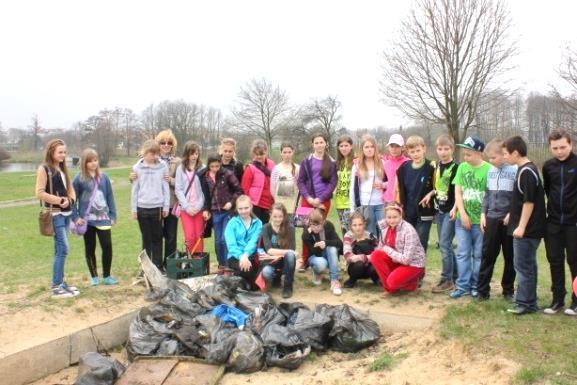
{"x": 150, "y": 189}
{"x": 500, "y": 183}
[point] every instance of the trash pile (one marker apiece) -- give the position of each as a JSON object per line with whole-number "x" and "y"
{"x": 245, "y": 331}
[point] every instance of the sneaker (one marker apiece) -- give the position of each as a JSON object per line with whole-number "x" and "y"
{"x": 94, "y": 281}
{"x": 509, "y": 297}
{"x": 572, "y": 311}
{"x": 349, "y": 283}
{"x": 60, "y": 292}
{"x": 317, "y": 279}
{"x": 287, "y": 292}
{"x": 474, "y": 293}
{"x": 110, "y": 280}
{"x": 336, "y": 287}
{"x": 554, "y": 308}
{"x": 520, "y": 310}
{"x": 458, "y": 293}
{"x": 73, "y": 289}
{"x": 302, "y": 267}
{"x": 443, "y": 287}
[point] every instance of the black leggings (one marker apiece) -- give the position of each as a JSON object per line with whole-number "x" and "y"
{"x": 104, "y": 238}
{"x": 150, "y": 222}
{"x": 361, "y": 270}
{"x": 248, "y": 276}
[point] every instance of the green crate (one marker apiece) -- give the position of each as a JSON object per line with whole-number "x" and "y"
{"x": 180, "y": 265}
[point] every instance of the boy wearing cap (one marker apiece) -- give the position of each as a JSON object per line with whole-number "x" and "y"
{"x": 392, "y": 163}
{"x": 527, "y": 223}
{"x": 470, "y": 185}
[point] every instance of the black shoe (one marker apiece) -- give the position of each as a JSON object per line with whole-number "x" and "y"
{"x": 509, "y": 297}
{"x": 287, "y": 292}
{"x": 349, "y": 284}
{"x": 520, "y": 310}
{"x": 482, "y": 297}
{"x": 554, "y": 308}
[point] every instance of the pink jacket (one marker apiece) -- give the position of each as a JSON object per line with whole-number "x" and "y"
{"x": 253, "y": 181}
{"x": 391, "y": 167}
{"x": 408, "y": 249}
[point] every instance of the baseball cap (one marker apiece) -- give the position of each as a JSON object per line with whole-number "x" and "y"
{"x": 473, "y": 143}
{"x": 396, "y": 139}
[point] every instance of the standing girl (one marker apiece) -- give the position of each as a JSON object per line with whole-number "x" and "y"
{"x": 316, "y": 181}
{"x": 256, "y": 180}
{"x": 220, "y": 189}
{"x": 150, "y": 199}
{"x": 188, "y": 191}
{"x": 54, "y": 188}
{"x": 393, "y": 161}
{"x": 358, "y": 245}
{"x": 283, "y": 179}
{"x": 227, "y": 151}
{"x": 345, "y": 158}
{"x": 369, "y": 180}
{"x": 324, "y": 246}
{"x": 400, "y": 259}
{"x": 241, "y": 235}
{"x": 278, "y": 241}
{"x": 95, "y": 208}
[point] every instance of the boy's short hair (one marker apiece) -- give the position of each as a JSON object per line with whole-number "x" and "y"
{"x": 445, "y": 140}
{"x": 150, "y": 145}
{"x": 559, "y": 134}
{"x": 494, "y": 145}
{"x": 515, "y": 143}
{"x": 414, "y": 141}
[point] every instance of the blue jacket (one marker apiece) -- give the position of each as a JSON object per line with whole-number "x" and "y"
{"x": 240, "y": 240}
{"x": 103, "y": 209}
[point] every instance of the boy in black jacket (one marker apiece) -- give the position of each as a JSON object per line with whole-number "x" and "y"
{"x": 560, "y": 183}
{"x": 325, "y": 246}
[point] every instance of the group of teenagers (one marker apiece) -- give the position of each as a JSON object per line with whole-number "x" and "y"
{"x": 386, "y": 205}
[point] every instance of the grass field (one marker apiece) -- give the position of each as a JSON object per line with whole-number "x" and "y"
{"x": 545, "y": 346}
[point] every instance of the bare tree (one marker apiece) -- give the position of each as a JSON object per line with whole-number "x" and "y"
{"x": 261, "y": 107}
{"x": 323, "y": 115}
{"x": 447, "y": 53}
{"x": 35, "y": 128}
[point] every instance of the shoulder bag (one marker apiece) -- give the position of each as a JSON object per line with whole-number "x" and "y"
{"x": 45, "y": 215}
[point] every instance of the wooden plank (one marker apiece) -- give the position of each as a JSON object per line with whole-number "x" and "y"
{"x": 194, "y": 373}
{"x": 147, "y": 372}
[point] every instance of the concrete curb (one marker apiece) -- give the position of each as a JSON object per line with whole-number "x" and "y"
{"x": 39, "y": 361}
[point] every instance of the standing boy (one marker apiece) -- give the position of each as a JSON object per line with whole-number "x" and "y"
{"x": 526, "y": 223}
{"x": 470, "y": 185}
{"x": 494, "y": 219}
{"x": 444, "y": 193}
{"x": 560, "y": 184}
{"x": 414, "y": 183}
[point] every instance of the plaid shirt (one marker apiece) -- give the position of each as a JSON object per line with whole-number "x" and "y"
{"x": 408, "y": 249}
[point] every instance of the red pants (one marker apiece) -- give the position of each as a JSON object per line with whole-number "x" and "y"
{"x": 305, "y": 250}
{"x": 394, "y": 276}
{"x": 193, "y": 228}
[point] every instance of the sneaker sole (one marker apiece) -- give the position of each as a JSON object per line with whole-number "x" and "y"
{"x": 570, "y": 312}
{"x": 552, "y": 311}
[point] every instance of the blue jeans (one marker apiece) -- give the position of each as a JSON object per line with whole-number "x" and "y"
{"x": 285, "y": 266}
{"x": 446, "y": 231}
{"x": 219, "y": 221}
{"x": 376, "y": 213}
{"x": 60, "y": 223}
{"x": 330, "y": 259}
{"x": 525, "y": 261}
{"x": 469, "y": 244}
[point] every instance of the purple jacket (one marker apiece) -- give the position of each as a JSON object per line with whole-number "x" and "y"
{"x": 310, "y": 182}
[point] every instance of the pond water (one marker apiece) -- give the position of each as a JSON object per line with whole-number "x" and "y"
{"x": 14, "y": 167}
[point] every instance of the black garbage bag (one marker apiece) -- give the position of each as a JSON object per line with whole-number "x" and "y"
{"x": 263, "y": 316}
{"x": 168, "y": 347}
{"x": 247, "y": 356}
{"x": 182, "y": 305}
{"x": 283, "y": 347}
{"x": 352, "y": 330}
{"x": 145, "y": 334}
{"x": 247, "y": 301}
{"x": 218, "y": 351}
{"x": 312, "y": 327}
{"x": 289, "y": 309}
{"x": 95, "y": 369}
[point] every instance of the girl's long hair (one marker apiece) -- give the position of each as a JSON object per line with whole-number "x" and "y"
{"x": 293, "y": 166}
{"x": 88, "y": 155}
{"x": 285, "y": 228}
{"x": 378, "y": 165}
{"x": 191, "y": 147}
{"x": 326, "y": 167}
{"x": 343, "y": 161}
{"x": 49, "y": 160}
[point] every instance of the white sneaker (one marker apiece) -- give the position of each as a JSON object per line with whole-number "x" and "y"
{"x": 317, "y": 279}
{"x": 60, "y": 292}
{"x": 73, "y": 289}
{"x": 572, "y": 311}
{"x": 336, "y": 287}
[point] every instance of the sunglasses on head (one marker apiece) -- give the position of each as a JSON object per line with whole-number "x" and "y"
{"x": 166, "y": 143}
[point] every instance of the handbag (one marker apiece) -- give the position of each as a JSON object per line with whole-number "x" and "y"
{"x": 81, "y": 229}
{"x": 301, "y": 215}
{"x": 176, "y": 209}
{"x": 45, "y": 216}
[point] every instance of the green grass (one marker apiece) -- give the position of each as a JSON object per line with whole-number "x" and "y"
{"x": 386, "y": 361}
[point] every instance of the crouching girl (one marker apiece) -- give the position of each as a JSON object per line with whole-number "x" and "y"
{"x": 400, "y": 258}
{"x": 358, "y": 245}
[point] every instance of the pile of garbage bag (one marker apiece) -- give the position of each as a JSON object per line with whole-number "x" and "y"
{"x": 243, "y": 330}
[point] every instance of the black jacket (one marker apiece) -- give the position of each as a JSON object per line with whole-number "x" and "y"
{"x": 560, "y": 184}
{"x": 331, "y": 239}
{"x": 424, "y": 186}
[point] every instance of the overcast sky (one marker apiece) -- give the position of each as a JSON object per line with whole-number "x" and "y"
{"x": 66, "y": 60}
